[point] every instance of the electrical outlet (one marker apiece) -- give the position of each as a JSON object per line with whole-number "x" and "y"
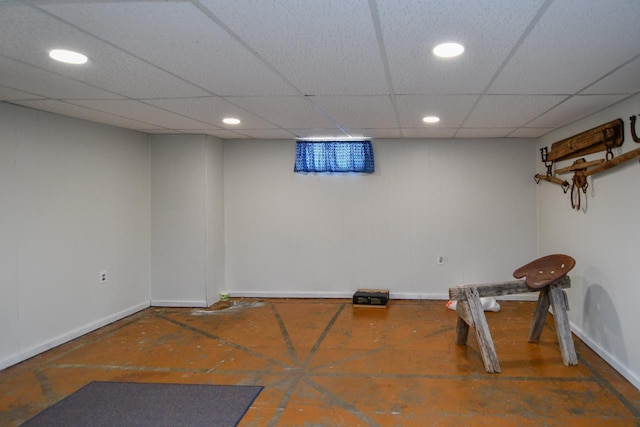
{"x": 103, "y": 276}
{"x": 440, "y": 259}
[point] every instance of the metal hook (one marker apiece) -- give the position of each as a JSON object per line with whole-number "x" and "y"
{"x": 609, "y": 155}
{"x": 544, "y": 155}
{"x": 632, "y": 119}
{"x": 544, "y": 152}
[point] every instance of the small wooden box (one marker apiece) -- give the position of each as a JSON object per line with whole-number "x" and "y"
{"x": 371, "y": 298}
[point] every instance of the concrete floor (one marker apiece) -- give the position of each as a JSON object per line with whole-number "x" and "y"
{"x": 326, "y": 363}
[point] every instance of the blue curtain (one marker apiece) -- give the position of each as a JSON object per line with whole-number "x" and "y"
{"x": 334, "y": 156}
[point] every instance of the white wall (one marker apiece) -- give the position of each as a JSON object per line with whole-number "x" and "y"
{"x": 215, "y": 219}
{"x": 74, "y": 201}
{"x": 289, "y": 234}
{"x": 187, "y": 234}
{"x": 604, "y": 239}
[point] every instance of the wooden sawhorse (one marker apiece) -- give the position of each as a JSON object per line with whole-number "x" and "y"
{"x": 547, "y": 275}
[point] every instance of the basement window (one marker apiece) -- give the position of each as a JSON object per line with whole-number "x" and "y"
{"x": 334, "y": 157}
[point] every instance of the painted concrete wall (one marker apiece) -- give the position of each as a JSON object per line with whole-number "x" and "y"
{"x": 603, "y": 238}
{"x": 289, "y": 234}
{"x": 186, "y": 220}
{"x": 74, "y": 201}
{"x": 215, "y": 219}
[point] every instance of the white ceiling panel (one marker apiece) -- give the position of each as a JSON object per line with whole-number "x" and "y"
{"x": 573, "y": 109}
{"x": 8, "y": 94}
{"x": 142, "y": 112}
{"x": 212, "y": 110}
{"x": 483, "y": 132}
{"x": 358, "y": 111}
{"x": 319, "y": 134}
{"x": 323, "y": 47}
{"x": 158, "y": 131}
{"x": 495, "y": 111}
{"x": 529, "y": 132}
{"x": 267, "y": 133}
{"x": 109, "y": 68}
{"x": 451, "y": 109}
{"x": 219, "y": 133}
{"x": 625, "y": 80}
{"x": 323, "y": 68}
{"x": 79, "y": 112}
{"x": 374, "y": 133}
{"x": 559, "y": 56}
{"x": 27, "y": 78}
{"x": 286, "y": 112}
{"x": 425, "y": 132}
{"x": 191, "y": 46}
{"x": 488, "y": 30}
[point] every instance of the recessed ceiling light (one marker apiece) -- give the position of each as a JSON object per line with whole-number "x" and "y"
{"x": 68, "y": 56}
{"x": 431, "y": 119}
{"x": 231, "y": 121}
{"x": 448, "y": 50}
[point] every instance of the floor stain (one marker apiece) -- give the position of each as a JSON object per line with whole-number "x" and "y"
{"x": 225, "y": 307}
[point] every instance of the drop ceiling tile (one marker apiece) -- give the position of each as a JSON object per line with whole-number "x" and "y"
{"x": 268, "y": 133}
{"x": 161, "y": 131}
{"x": 212, "y": 110}
{"x": 222, "y": 134}
{"x": 27, "y": 34}
{"x": 323, "y": 47}
{"x": 190, "y": 37}
{"x": 495, "y": 111}
{"x": 327, "y": 134}
{"x": 558, "y": 55}
{"x": 529, "y": 132}
{"x": 575, "y": 108}
{"x": 142, "y": 112}
{"x": 358, "y": 111}
{"x": 428, "y": 132}
{"x": 91, "y": 115}
{"x": 285, "y": 112}
{"x": 626, "y": 80}
{"x": 27, "y": 78}
{"x": 451, "y": 109}
{"x": 375, "y": 133}
{"x": 487, "y": 29}
{"x": 8, "y": 94}
{"x": 483, "y": 132}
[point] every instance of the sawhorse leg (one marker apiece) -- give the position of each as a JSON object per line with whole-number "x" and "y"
{"x": 555, "y": 297}
{"x": 470, "y": 313}
{"x": 539, "y": 316}
{"x": 559, "y": 305}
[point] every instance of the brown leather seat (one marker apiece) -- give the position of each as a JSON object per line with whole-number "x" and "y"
{"x": 541, "y": 272}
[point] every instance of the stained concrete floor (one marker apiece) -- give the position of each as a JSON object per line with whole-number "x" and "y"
{"x": 326, "y": 363}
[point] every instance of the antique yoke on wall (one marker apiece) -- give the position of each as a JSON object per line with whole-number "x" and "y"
{"x": 548, "y": 275}
{"x": 605, "y": 138}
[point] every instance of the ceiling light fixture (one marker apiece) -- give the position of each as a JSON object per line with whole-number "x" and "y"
{"x": 448, "y": 50}
{"x": 68, "y": 56}
{"x": 231, "y": 121}
{"x": 431, "y": 119}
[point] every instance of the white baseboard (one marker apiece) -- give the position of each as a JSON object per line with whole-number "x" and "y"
{"x": 349, "y": 295}
{"x": 40, "y": 348}
{"x": 263, "y": 294}
{"x": 611, "y": 360}
{"x": 178, "y": 303}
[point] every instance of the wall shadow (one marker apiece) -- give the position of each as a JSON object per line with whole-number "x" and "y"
{"x": 602, "y": 324}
